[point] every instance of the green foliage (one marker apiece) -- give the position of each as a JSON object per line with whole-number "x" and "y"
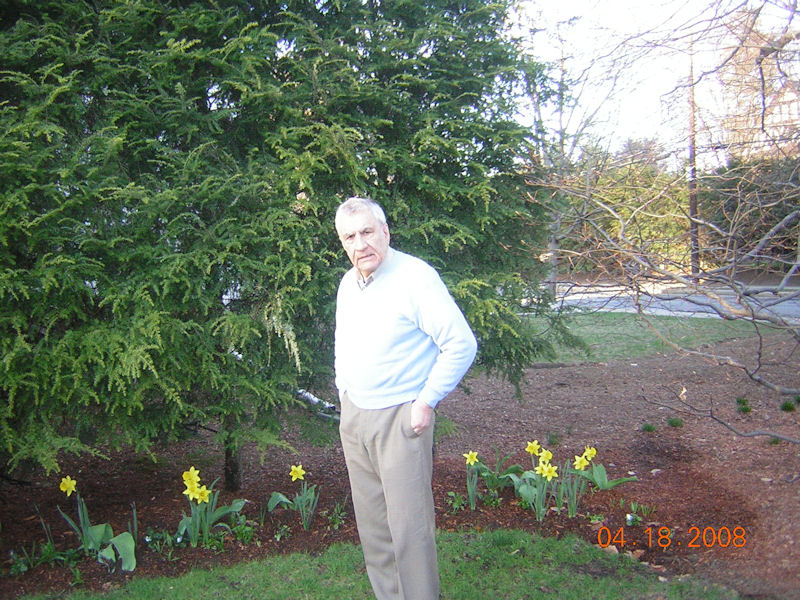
{"x": 242, "y": 529}
{"x": 336, "y": 517}
{"x": 100, "y": 541}
{"x": 319, "y": 432}
{"x": 206, "y": 516}
{"x": 512, "y": 342}
{"x": 750, "y": 205}
{"x": 456, "y": 501}
{"x": 42, "y": 554}
{"x": 597, "y": 476}
{"x": 498, "y": 477}
{"x": 534, "y": 491}
{"x": 305, "y": 503}
{"x": 638, "y": 210}
{"x": 163, "y": 542}
{"x": 170, "y": 172}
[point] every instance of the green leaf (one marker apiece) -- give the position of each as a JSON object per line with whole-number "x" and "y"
{"x": 120, "y": 548}
{"x": 125, "y": 546}
{"x": 223, "y": 511}
{"x": 98, "y": 535}
{"x": 597, "y": 475}
{"x": 278, "y": 499}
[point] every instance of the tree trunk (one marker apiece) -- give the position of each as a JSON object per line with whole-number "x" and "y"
{"x": 233, "y": 456}
{"x": 233, "y": 475}
{"x": 694, "y": 236}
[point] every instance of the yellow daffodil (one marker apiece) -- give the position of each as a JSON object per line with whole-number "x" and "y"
{"x": 68, "y": 485}
{"x": 203, "y": 494}
{"x": 549, "y": 471}
{"x": 471, "y": 456}
{"x": 533, "y": 448}
{"x": 590, "y": 452}
{"x": 192, "y": 475}
{"x": 545, "y": 456}
{"x": 297, "y": 472}
{"x": 581, "y": 462}
{"x": 191, "y": 490}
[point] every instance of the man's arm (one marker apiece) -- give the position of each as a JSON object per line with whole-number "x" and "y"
{"x": 442, "y": 319}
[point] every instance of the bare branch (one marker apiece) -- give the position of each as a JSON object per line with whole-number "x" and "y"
{"x": 768, "y": 237}
{"x": 684, "y": 406}
{"x": 777, "y": 46}
{"x": 624, "y": 217}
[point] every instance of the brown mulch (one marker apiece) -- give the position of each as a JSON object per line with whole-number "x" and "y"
{"x": 699, "y": 480}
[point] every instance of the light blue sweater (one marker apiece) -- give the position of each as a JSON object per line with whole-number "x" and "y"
{"x": 400, "y": 338}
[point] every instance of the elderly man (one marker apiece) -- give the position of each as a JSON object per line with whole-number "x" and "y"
{"x": 402, "y": 345}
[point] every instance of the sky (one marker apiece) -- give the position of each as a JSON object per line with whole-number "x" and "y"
{"x": 650, "y": 100}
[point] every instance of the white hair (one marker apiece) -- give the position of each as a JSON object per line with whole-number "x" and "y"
{"x": 356, "y": 204}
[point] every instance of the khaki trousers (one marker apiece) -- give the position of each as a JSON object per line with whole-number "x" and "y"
{"x": 390, "y": 471}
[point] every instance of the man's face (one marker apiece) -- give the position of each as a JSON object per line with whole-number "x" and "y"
{"x": 365, "y": 239}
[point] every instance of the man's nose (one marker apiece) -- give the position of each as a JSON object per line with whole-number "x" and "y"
{"x": 360, "y": 242}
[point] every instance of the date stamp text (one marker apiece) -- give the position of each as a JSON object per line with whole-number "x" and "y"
{"x": 666, "y": 537}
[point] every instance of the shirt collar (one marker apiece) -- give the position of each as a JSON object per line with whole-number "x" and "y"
{"x": 364, "y": 283}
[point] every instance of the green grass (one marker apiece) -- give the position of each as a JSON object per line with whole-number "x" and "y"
{"x": 621, "y": 336}
{"x": 500, "y": 564}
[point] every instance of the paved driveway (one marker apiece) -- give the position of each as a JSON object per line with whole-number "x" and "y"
{"x": 677, "y": 300}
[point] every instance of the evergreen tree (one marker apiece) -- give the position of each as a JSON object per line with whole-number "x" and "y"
{"x": 170, "y": 171}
